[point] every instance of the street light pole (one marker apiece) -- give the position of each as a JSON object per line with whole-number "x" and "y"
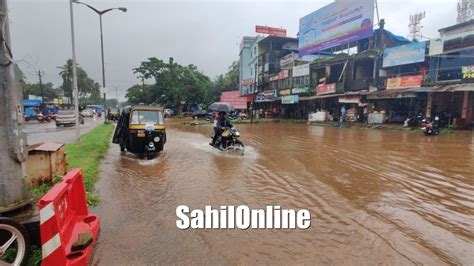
{"x": 74, "y": 72}
{"x": 100, "y": 13}
{"x": 103, "y": 65}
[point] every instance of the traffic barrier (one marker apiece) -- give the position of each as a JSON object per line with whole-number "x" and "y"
{"x": 67, "y": 230}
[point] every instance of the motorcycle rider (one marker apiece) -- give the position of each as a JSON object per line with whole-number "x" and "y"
{"x": 222, "y": 122}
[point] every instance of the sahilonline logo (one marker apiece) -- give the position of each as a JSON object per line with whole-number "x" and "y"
{"x": 242, "y": 217}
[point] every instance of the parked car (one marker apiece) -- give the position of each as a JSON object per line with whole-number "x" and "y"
{"x": 67, "y": 118}
{"x": 87, "y": 113}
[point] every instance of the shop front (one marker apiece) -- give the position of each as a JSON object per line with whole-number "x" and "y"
{"x": 267, "y": 104}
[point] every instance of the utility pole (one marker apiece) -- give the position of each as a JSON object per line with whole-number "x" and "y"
{"x": 74, "y": 72}
{"x": 41, "y": 90}
{"x": 13, "y": 152}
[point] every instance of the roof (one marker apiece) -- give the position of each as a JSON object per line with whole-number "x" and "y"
{"x": 460, "y": 25}
{"x": 278, "y": 39}
{"x": 46, "y": 146}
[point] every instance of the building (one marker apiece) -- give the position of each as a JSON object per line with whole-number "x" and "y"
{"x": 246, "y": 73}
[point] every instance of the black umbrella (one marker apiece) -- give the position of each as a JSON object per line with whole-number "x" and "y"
{"x": 221, "y": 107}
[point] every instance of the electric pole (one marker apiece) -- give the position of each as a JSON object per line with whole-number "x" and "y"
{"x": 13, "y": 152}
{"x": 41, "y": 90}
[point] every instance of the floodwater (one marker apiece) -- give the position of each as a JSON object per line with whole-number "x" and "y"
{"x": 375, "y": 197}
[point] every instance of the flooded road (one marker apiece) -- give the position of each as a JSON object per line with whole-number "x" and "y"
{"x": 42, "y": 132}
{"x": 374, "y": 197}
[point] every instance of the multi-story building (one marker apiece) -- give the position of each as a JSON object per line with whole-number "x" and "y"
{"x": 246, "y": 72}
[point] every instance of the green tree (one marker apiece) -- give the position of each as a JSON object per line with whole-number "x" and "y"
{"x": 174, "y": 84}
{"x": 88, "y": 89}
{"x": 35, "y": 89}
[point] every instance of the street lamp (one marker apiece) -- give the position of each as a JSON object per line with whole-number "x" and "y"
{"x": 100, "y": 13}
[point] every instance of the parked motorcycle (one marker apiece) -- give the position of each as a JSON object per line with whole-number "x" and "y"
{"x": 430, "y": 128}
{"x": 228, "y": 140}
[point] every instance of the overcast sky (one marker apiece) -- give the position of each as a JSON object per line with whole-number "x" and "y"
{"x": 204, "y": 33}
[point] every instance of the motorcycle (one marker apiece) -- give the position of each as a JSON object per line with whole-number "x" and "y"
{"x": 43, "y": 118}
{"x": 228, "y": 140}
{"x": 430, "y": 128}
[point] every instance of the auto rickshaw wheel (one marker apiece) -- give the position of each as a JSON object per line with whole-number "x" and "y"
{"x": 14, "y": 242}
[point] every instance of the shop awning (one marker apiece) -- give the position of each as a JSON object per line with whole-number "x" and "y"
{"x": 308, "y": 98}
{"x": 392, "y": 94}
{"x": 446, "y": 88}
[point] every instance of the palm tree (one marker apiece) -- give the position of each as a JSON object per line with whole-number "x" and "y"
{"x": 66, "y": 75}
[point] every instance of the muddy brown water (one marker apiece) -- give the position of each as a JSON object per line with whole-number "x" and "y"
{"x": 375, "y": 197}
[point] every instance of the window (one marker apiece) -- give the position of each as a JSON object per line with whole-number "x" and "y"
{"x": 146, "y": 116}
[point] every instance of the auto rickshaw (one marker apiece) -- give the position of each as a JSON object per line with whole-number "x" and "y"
{"x": 113, "y": 114}
{"x": 141, "y": 130}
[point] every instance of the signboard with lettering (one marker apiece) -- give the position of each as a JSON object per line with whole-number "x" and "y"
{"x": 270, "y": 31}
{"x": 336, "y": 24}
{"x": 404, "y": 82}
{"x": 467, "y": 72}
{"x": 289, "y": 99}
{"x": 233, "y": 98}
{"x": 301, "y": 70}
{"x": 285, "y": 92}
{"x": 300, "y": 90}
{"x": 326, "y": 88}
{"x": 267, "y": 96}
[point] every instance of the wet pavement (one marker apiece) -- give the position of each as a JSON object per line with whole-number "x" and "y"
{"x": 375, "y": 197}
{"x": 42, "y": 132}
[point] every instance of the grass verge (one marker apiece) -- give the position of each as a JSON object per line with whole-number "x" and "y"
{"x": 87, "y": 155}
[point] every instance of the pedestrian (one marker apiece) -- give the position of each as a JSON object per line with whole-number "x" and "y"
{"x": 343, "y": 116}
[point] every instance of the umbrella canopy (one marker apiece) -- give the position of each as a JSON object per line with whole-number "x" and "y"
{"x": 221, "y": 107}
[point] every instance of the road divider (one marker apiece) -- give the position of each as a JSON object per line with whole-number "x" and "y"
{"x": 67, "y": 229}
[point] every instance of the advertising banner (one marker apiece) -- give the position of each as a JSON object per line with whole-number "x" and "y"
{"x": 300, "y": 90}
{"x": 302, "y": 70}
{"x": 336, "y": 24}
{"x": 404, "y": 54}
{"x": 233, "y": 98}
{"x": 270, "y": 31}
{"x": 326, "y": 88}
{"x": 404, "y": 82}
{"x": 267, "y": 96}
{"x": 290, "y": 99}
{"x": 467, "y": 72}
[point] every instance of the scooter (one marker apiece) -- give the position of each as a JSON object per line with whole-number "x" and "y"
{"x": 228, "y": 141}
{"x": 430, "y": 128}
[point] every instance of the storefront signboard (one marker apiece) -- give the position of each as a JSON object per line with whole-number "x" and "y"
{"x": 301, "y": 70}
{"x": 300, "y": 90}
{"x": 326, "y": 88}
{"x": 404, "y": 82}
{"x": 285, "y": 92}
{"x": 467, "y": 72}
{"x": 267, "y": 96}
{"x": 289, "y": 99}
{"x": 404, "y": 54}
